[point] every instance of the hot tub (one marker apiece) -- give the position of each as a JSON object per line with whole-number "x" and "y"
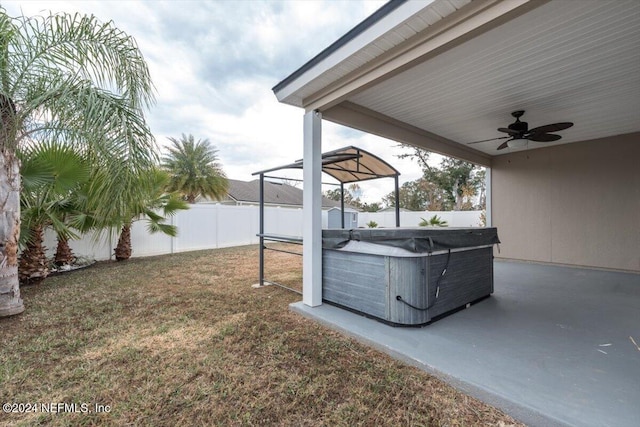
{"x": 407, "y": 276}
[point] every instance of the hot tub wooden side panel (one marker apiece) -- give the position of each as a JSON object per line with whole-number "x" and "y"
{"x": 469, "y": 277}
{"x": 371, "y": 283}
{"x": 354, "y": 280}
{"x": 407, "y": 278}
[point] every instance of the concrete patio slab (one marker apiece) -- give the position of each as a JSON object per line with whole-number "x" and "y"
{"x": 552, "y": 346}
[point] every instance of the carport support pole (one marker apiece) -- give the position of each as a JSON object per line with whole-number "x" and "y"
{"x": 261, "y": 229}
{"x": 397, "y": 202}
{"x": 312, "y": 210}
{"x": 342, "y": 202}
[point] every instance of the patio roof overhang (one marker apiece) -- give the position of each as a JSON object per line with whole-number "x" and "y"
{"x": 440, "y": 74}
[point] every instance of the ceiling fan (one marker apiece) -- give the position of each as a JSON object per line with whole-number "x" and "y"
{"x": 519, "y": 132}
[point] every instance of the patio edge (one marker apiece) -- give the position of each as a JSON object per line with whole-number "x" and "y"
{"x": 520, "y": 412}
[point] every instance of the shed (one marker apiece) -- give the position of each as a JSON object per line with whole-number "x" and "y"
{"x": 348, "y": 220}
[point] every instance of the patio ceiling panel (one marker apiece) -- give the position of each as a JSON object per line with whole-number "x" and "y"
{"x": 442, "y": 74}
{"x": 591, "y": 78}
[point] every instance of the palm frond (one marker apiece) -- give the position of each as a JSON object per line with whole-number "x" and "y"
{"x": 158, "y": 227}
{"x": 83, "y": 46}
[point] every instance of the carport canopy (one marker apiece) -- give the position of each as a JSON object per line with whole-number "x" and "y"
{"x": 348, "y": 165}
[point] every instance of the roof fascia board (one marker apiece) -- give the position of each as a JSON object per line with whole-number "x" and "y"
{"x": 464, "y": 24}
{"x": 364, "y": 119}
{"x": 334, "y": 56}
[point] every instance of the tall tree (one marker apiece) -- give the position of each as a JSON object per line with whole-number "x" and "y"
{"x": 194, "y": 169}
{"x": 73, "y": 79}
{"x": 457, "y": 180}
{"x": 418, "y": 195}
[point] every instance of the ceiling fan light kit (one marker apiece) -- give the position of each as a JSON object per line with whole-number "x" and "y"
{"x": 517, "y": 143}
{"x": 520, "y": 133}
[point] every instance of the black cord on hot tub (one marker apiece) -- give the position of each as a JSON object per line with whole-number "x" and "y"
{"x": 444, "y": 271}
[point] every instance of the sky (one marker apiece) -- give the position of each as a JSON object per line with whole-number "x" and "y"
{"x": 214, "y": 64}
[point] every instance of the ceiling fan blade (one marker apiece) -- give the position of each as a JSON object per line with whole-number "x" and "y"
{"x": 543, "y": 137}
{"x": 504, "y": 145}
{"x": 555, "y": 127}
{"x": 487, "y": 140}
{"x": 509, "y": 131}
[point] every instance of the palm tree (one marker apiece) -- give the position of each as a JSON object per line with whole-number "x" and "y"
{"x": 73, "y": 79}
{"x": 155, "y": 199}
{"x": 194, "y": 169}
{"x": 51, "y": 176}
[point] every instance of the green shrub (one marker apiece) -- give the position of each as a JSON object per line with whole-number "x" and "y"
{"x": 434, "y": 221}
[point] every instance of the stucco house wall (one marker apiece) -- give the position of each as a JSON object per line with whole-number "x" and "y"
{"x": 576, "y": 204}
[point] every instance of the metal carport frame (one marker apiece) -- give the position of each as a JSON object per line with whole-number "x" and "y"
{"x": 346, "y": 165}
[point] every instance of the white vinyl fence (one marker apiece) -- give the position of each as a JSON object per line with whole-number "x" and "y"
{"x": 412, "y": 219}
{"x": 210, "y": 226}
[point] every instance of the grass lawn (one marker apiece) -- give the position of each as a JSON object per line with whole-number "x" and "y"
{"x": 184, "y": 340}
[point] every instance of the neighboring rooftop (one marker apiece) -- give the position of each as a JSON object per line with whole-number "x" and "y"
{"x": 275, "y": 194}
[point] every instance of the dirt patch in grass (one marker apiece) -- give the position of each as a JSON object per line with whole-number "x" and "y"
{"x": 184, "y": 340}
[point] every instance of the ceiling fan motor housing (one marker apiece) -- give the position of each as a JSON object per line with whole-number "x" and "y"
{"x": 519, "y": 126}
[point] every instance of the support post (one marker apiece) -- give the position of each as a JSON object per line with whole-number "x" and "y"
{"x": 312, "y": 210}
{"x": 397, "y": 202}
{"x": 342, "y": 203}
{"x": 487, "y": 199}
{"x": 261, "y": 282}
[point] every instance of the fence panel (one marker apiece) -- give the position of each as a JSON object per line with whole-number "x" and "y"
{"x": 197, "y": 228}
{"x": 284, "y": 221}
{"x": 412, "y": 219}
{"x": 145, "y": 244}
{"x": 237, "y": 225}
{"x": 218, "y": 226}
{"x": 89, "y": 246}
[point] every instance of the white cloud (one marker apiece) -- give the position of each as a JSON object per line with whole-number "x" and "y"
{"x": 214, "y": 63}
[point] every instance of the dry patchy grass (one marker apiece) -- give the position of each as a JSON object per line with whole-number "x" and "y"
{"x": 184, "y": 340}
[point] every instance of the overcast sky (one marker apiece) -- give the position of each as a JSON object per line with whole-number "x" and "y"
{"x": 214, "y": 63}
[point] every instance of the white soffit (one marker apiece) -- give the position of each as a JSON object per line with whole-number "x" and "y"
{"x": 393, "y": 29}
{"x": 566, "y": 60}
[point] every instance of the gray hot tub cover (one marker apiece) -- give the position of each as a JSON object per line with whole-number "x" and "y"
{"x": 418, "y": 240}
